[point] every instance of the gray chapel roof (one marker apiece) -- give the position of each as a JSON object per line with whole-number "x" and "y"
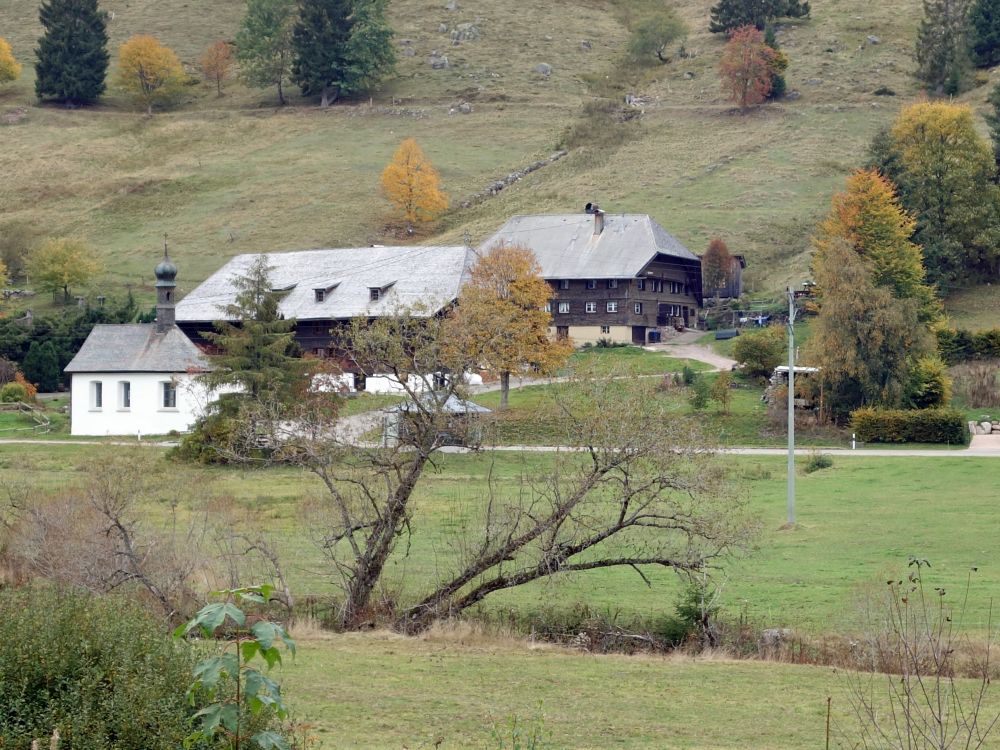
{"x": 567, "y": 247}
{"x": 409, "y": 277}
{"x": 137, "y": 347}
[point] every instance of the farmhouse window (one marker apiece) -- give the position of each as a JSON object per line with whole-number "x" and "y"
{"x": 612, "y": 307}
{"x": 612, "y": 283}
{"x": 320, "y": 294}
{"x": 169, "y": 395}
{"x": 564, "y": 307}
{"x": 638, "y": 308}
{"x": 591, "y": 283}
{"x": 124, "y": 395}
{"x": 374, "y": 293}
{"x": 97, "y": 395}
{"x": 547, "y": 307}
{"x": 605, "y": 329}
{"x": 590, "y": 307}
{"x": 564, "y": 284}
{"x": 640, "y": 284}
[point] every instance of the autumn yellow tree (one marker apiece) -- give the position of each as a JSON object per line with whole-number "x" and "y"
{"x": 501, "y": 319}
{"x": 149, "y": 71}
{"x": 413, "y": 185}
{"x": 10, "y": 68}
{"x": 58, "y": 264}
{"x": 216, "y": 63}
{"x": 869, "y": 218}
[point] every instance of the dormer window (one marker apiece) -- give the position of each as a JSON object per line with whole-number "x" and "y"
{"x": 374, "y": 293}
{"x": 320, "y": 294}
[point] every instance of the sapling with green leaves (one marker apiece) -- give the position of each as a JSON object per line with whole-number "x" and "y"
{"x": 240, "y": 715}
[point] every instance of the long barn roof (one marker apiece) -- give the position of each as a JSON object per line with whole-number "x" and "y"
{"x": 424, "y": 279}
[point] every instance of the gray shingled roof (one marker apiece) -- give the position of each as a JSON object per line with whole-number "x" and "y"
{"x": 425, "y": 277}
{"x": 137, "y": 347}
{"x": 567, "y": 248}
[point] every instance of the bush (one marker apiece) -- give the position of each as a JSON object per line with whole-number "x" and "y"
{"x": 916, "y": 426}
{"x": 977, "y": 383}
{"x": 701, "y": 391}
{"x": 759, "y": 352}
{"x": 818, "y": 461}
{"x": 930, "y": 385}
{"x": 957, "y": 345}
{"x": 98, "y": 669}
{"x": 13, "y": 393}
{"x": 688, "y": 375}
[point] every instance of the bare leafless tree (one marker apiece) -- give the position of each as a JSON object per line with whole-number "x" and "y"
{"x": 636, "y": 487}
{"x": 908, "y": 692}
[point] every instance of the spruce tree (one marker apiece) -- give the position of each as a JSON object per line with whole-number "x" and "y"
{"x": 41, "y": 366}
{"x": 341, "y": 47}
{"x": 72, "y": 54}
{"x": 984, "y": 32}
{"x": 727, "y": 15}
{"x": 993, "y": 120}
{"x": 942, "y": 51}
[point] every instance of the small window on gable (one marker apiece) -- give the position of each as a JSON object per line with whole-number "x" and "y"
{"x": 124, "y": 394}
{"x": 320, "y": 294}
{"x": 612, "y": 283}
{"x": 169, "y": 393}
{"x": 97, "y": 395}
{"x": 374, "y": 293}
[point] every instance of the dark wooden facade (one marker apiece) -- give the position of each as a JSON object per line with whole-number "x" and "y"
{"x": 669, "y": 292}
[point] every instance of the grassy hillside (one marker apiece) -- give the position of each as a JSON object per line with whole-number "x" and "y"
{"x": 235, "y": 174}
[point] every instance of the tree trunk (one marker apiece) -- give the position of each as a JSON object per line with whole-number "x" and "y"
{"x": 329, "y": 96}
{"x": 504, "y": 389}
{"x": 281, "y": 93}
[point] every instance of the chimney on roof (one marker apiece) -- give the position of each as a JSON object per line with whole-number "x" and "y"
{"x": 593, "y": 208}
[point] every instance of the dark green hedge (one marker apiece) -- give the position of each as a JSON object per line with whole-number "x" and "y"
{"x": 913, "y": 426}
{"x": 958, "y": 346}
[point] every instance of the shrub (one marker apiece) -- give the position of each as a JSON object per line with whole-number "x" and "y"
{"x": 930, "y": 385}
{"x": 98, "y": 669}
{"x": 977, "y": 383}
{"x": 818, "y": 461}
{"x": 759, "y": 352}
{"x": 701, "y": 391}
{"x": 957, "y": 345}
{"x": 720, "y": 390}
{"x": 13, "y": 393}
{"x": 688, "y": 375}
{"x": 916, "y": 426}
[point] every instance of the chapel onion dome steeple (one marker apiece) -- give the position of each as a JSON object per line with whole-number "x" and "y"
{"x": 165, "y": 270}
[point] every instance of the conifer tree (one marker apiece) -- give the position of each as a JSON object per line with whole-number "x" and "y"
{"x": 984, "y": 32}
{"x": 341, "y": 47}
{"x": 256, "y": 344}
{"x": 72, "y": 54}
{"x": 41, "y": 366}
{"x": 727, "y": 15}
{"x": 993, "y": 120}
{"x": 942, "y": 51}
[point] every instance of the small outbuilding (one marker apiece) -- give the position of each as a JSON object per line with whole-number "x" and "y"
{"x": 462, "y": 426}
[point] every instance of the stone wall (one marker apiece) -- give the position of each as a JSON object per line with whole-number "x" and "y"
{"x": 984, "y": 428}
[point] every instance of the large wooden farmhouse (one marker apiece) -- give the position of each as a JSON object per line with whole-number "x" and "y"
{"x": 621, "y": 277}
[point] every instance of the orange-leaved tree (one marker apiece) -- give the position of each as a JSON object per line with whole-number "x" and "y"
{"x": 216, "y": 63}
{"x": 10, "y": 68}
{"x": 747, "y": 67}
{"x": 413, "y": 185}
{"x": 501, "y": 319}
{"x": 716, "y": 267}
{"x": 149, "y": 71}
{"x": 869, "y": 218}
